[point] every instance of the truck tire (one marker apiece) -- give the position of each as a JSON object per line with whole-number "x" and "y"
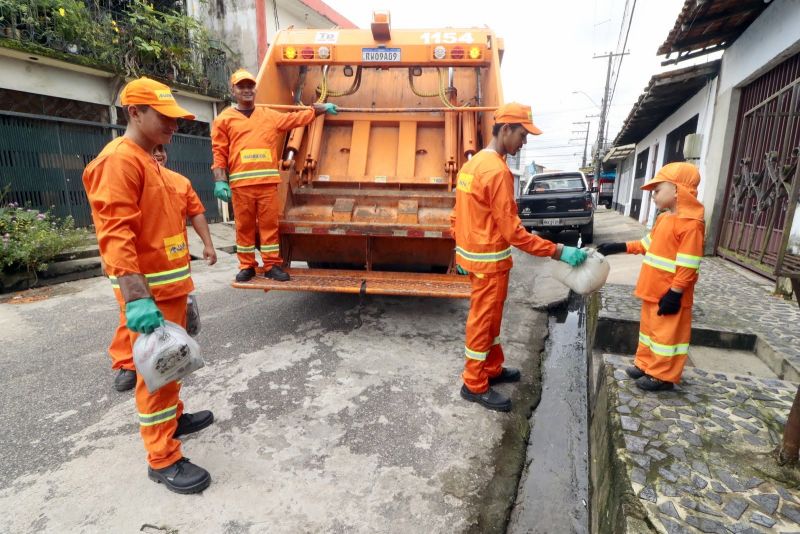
{"x": 587, "y": 233}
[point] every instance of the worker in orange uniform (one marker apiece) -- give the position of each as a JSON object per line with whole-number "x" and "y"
{"x": 672, "y": 253}
{"x": 485, "y": 226}
{"x": 245, "y": 140}
{"x": 140, "y": 227}
{"x": 121, "y": 348}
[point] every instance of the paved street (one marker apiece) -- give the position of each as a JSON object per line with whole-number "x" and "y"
{"x": 328, "y": 419}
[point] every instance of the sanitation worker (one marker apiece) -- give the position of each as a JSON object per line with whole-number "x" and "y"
{"x": 245, "y": 141}
{"x": 140, "y": 228}
{"x": 486, "y": 226}
{"x": 672, "y": 253}
{"x": 121, "y": 348}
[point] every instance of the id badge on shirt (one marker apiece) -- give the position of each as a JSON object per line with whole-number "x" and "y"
{"x": 256, "y": 155}
{"x": 175, "y": 246}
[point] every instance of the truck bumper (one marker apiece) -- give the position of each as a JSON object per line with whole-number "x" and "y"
{"x": 560, "y": 222}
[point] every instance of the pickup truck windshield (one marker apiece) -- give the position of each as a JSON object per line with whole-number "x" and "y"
{"x": 554, "y": 184}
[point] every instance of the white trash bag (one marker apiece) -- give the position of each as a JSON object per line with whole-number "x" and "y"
{"x": 587, "y": 277}
{"x": 165, "y": 355}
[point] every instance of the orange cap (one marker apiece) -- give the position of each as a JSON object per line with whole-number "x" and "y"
{"x": 515, "y": 113}
{"x": 158, "y": 96}
{"x": 241, "y": 75}
{"x": 678, "y": 173}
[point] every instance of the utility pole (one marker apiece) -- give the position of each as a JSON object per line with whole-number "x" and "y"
{"x": 586, "y": 141}
{"x": 601, "y": 130}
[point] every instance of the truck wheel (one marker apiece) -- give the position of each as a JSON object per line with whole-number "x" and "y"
{"x": 587, "y": 233}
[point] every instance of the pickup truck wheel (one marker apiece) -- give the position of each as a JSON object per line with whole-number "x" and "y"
{"x": 587, "y": 233}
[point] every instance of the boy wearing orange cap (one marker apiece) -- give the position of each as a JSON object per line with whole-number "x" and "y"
{"x": 485, "y": 225}
{"x": 245, "y": 141}
{"x": 141, "y": 234}
{"x": 672, "y": 253}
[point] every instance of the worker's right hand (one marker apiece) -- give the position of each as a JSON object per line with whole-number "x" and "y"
{"x": 607, "y": 249}
{"x": 573, "y": 256}
{"x": 222, "y": 191}
{"x": 143, "y": 316}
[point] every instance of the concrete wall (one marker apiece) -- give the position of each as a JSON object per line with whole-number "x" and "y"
{"x": 622, "y": 185}
{"x": 60, "y": 79}
{"x": 234, "y": 23}
{"x": 772, "y": 38}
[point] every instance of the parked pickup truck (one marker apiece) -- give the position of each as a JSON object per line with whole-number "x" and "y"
{"x": 558, "y": 201}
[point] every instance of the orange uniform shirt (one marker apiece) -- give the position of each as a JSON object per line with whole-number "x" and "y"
{"x": 486, "y": 223}
{"x": 137, "y": 214}
{"x": 672, "y": 253}
{"x": 248, "y": 148}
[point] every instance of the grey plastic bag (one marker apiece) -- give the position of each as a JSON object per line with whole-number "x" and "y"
{"x": 165, "y": 355}
{"x": 192, "y": 316}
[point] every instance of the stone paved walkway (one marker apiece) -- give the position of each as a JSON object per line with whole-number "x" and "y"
{"x": 699, "y": 459}
{"x": 728, "y": 301}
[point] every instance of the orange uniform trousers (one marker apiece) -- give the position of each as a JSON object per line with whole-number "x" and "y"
{"x": 159, "y": 411}
{"x": 257, "y": 207}
{"x": 121, "y": 349}
{"x": 663, "y": 342}
{"x": 483, "y": 352}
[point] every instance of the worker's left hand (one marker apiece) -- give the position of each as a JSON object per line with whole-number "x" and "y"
{"x": 573, "y": 256}
{"x": 209, "y": 254}
{"x": 670, "y": 303}
{"x": 222, "y": 191}
{"x": 327, "y": 107}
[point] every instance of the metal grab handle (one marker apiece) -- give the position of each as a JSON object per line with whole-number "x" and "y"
{"x": 284, "y": 107}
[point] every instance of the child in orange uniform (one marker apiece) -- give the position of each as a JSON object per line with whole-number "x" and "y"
{"x": 672, "y": 253}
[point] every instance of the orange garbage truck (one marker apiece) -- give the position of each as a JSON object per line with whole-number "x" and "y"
{"x": 366, "y": 194}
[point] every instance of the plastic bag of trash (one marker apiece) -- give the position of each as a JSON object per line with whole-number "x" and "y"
{"x": 192, "y": 316}
{"x": 587, "y": 277}
{"x": 165, "y": 355}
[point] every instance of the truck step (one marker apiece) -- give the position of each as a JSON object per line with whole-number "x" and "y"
{"x": 373, "y": 282}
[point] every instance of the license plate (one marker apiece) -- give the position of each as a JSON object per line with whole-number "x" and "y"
{"x": 378, "y": 55}
{"x": 551, "y": 222}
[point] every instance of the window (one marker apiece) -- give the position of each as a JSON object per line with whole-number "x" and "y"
{"x": 556, "y": 184}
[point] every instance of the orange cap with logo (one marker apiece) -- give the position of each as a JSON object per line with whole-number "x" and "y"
{"x": 516, "y": 113}
{"x": 147, "y": 92}
{"x": 242, "y": 75}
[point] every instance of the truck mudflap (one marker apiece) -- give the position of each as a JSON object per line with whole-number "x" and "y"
{"x": 366, "y": 282}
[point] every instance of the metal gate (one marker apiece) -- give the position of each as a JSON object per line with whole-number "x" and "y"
{"x": 764, "y": 177}
{"x": 42, "y": 159}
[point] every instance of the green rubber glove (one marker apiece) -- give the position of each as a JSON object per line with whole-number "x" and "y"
{"x": 460, "y": 270}
{"x": 143, "y": 316}
{"x": 573, "y": 256}
{"x": 330, "y": 108}
{"x": 222, "y": 191}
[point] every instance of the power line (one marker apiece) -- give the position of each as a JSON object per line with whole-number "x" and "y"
{"x": 627, "y": 33}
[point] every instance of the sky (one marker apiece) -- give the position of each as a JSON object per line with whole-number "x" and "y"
{"x": 548, "y": 62}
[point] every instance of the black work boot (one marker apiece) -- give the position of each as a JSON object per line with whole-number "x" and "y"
{"x": 189, "y": 423}
{"x": 508, "y": 374}
{"x": 634, "y": 372}
{"x": 125, "y": 380}
{"x": 490, "y": 399}
{"x": 181, "y": 477}
{"x": 276, "y": 273}
{"x": 245, "y": 275}
{"x": 648, "y": 383}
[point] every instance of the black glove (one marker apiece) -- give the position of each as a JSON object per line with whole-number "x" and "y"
{"x": 606, "y": 249}
{"x": 670, "y": 303}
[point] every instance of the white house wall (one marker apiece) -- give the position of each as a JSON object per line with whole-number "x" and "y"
{"x": 772, "y": 38}
{"x": 34, "y": 77}
{"x": 701, "y": 104}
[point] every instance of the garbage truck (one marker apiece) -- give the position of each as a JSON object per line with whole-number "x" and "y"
{"x": 366, "y": 194}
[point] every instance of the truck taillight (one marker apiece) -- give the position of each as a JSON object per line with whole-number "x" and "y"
{"x": 475, "y": 53}
{"x": 457, "y": 53}
{"x": 307, "y": 53}
{"x": 290, "y": 52}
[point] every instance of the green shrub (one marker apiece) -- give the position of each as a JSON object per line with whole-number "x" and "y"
{"x": 30, "y": 238}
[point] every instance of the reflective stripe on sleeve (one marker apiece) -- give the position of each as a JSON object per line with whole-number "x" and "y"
{"x": 252, "y": 175}
{"x": 664, "y": 264}
{"x": 160, "y": 278}
{"x": 688, "y": 261}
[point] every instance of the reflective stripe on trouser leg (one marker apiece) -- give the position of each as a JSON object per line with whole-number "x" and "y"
{"x": 159, "y": 411}
{"x": 664, "y": 342}
{"x": 244, "y": 214}
{"x": 483, "y": 327}
{"x": 268, "y": 211}
{"x": 121, "y": 347}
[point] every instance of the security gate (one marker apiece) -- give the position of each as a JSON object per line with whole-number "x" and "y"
{"x": 762, "y": 194}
